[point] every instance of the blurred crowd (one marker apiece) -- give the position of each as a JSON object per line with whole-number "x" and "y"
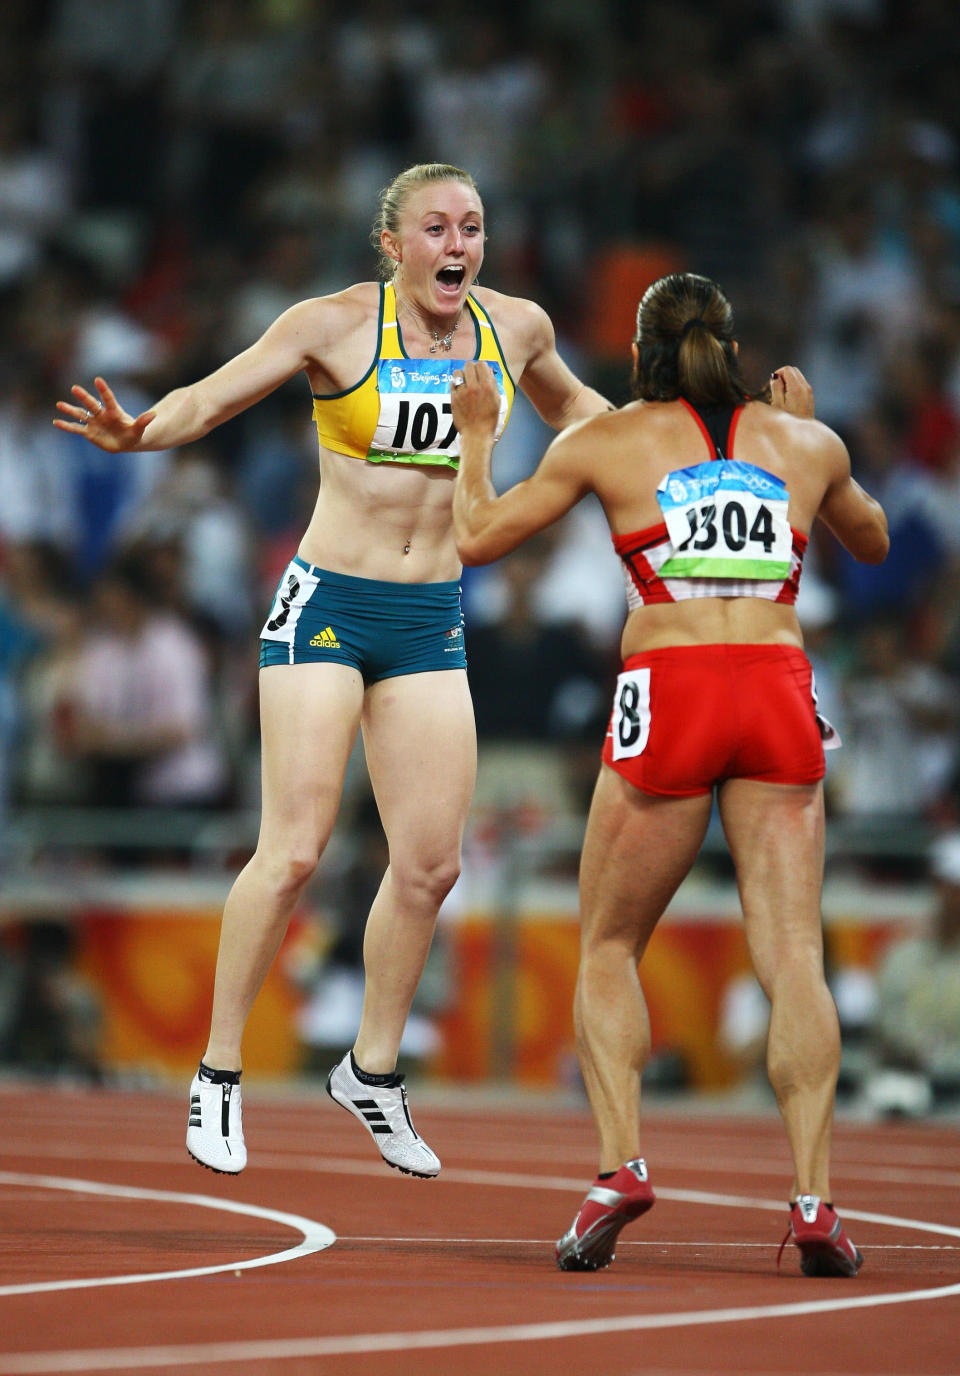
{"x": 177, "y": 172}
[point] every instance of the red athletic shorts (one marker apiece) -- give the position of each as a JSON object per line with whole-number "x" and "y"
{"x": 689, "y": 717}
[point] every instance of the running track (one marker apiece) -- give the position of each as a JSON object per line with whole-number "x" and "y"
{"x": 117, "y": 1253}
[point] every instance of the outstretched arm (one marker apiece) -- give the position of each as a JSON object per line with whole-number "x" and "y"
{"x": 487, "y": 526}
{"x": 189, "y": 413}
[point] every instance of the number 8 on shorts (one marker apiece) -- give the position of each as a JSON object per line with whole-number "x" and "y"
{"x": 630, "y": 723}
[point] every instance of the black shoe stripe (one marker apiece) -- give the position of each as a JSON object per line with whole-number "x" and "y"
{"x": 373, "y": 1115}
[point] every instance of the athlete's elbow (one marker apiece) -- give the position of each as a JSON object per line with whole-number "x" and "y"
{"x": 881, "y": 537}
{"x": 474, "y": 550}
{"x": 469, "y": 560}
{"x": 879, "y": 550}
{"x": 472, "y": 531}
{"x": 867, "y": 538}
{"x": 874, "y": 546}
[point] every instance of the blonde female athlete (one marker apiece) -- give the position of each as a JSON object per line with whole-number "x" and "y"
{"x": 365, "y": 631}
{"x": 710, "y": 498}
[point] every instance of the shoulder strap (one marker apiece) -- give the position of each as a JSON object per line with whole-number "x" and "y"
{"x": 718, "y": 425}
{"x": 388, "y": 337}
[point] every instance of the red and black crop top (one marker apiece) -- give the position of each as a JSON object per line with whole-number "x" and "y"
{"x": 725, "y": 531}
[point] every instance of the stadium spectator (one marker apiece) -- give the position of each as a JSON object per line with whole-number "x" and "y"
{"x": 138, "y": 713}
{"x": 917, "y": 1025}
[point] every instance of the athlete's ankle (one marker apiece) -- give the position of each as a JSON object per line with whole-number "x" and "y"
{"x": 373, "y": 1077}
{"x": 219, "y": 1058}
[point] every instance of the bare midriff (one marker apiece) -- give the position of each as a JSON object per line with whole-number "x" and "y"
{"x": 386, "y": 521}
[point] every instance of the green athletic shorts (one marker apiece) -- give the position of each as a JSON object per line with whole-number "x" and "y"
{"x": 381, "y": 629}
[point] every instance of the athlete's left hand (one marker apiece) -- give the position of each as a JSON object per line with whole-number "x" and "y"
{"x": 791, "y": 391}
{"x": 475, "y": 400}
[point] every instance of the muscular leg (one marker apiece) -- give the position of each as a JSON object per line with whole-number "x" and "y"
{"x": 637, "y": 850}
{"x": 776, "y": 837}
{"x": 421, "y": 750}
{"x": 309, "y": 716}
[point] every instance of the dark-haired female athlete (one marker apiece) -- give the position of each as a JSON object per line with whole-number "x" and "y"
{"x": 710, "y": 497}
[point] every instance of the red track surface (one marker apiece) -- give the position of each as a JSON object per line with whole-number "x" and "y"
{"x": 456, "y": 1275}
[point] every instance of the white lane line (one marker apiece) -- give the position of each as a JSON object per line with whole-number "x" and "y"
{"x": 344, "y": 1345}
{"x": 316, "y": 1236}
{"x": 861, "y": 1215}
{"x": 849, "y": 1173}
{"x": 523, "y": 1180}
{"x": 655, "y": 1244}
{"x": 278, "y": 1349}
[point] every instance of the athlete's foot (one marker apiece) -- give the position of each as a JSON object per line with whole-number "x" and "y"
{"x": 825, "y": 1249}
{"x": 588, "y": 1244}
{"x": 215, "y": 1124}
{"x": 383, "y": 1110}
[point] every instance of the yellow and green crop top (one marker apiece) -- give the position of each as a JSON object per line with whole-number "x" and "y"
{"x": 399, "y": 411}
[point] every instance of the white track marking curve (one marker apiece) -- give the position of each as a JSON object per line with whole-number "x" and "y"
{"x": 316, "y": 1236}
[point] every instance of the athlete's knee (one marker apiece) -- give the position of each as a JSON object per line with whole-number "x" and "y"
{"x": 288, "y": 868}
{"x": 424, "y": 880}
{"x": 794, "y": 970}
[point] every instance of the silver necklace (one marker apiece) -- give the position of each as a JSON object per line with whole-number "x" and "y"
{"x": 446, "y": 342}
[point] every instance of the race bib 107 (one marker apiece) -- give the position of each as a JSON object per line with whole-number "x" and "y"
{"x": 415, "y": 412}
{"x": 725, "y": 519}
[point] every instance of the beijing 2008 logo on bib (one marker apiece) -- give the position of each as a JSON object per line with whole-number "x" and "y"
{"x": 726, "y": 520}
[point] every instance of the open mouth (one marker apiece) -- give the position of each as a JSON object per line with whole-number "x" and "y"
{"x": 451, "y": 278}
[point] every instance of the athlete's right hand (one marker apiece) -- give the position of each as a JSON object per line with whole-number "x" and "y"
{"x": 474, "y": 399}
{"x": 102, "y": 420}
